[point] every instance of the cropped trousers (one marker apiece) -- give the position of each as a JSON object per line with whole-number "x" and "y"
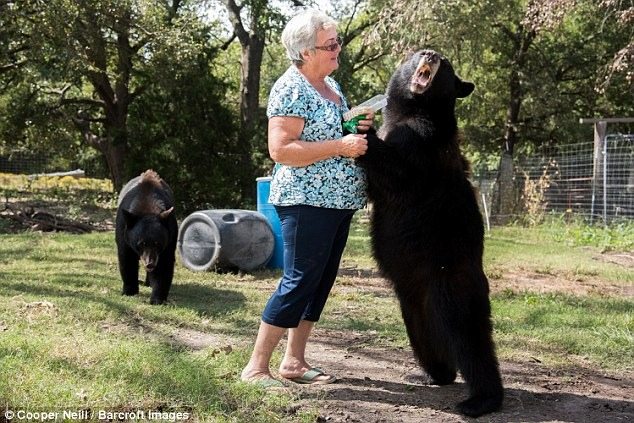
{"x": 314, "y": 240}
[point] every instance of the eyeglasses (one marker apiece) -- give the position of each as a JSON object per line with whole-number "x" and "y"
{"x": 332, "y": 46}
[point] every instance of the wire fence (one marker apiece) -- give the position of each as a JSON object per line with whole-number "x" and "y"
{"x": 24, "y": 162}
{"x": 589, "y": 179}
{"x": 584, "y": 179}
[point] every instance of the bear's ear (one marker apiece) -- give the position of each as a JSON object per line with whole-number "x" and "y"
{"x": 407, "y": 56}
{"x": 463, "y": 89}
{"x": 129, "y": 218}
{"x": 166, "y": 213}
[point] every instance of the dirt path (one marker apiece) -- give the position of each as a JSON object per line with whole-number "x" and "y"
{"x": 386, "y": 385}
{"x": 378, "y": 385}
{"x": 381, "y": 385}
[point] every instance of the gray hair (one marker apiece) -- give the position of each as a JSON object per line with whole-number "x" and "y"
{"x": 300, "y": 33}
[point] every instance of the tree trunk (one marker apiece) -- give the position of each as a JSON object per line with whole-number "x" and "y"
{"x": 114, "y": 148}
{"x": 252, "y": 42}
{"x": 115, "y": 155}
{"x": 505, "y": 201}
{"x": 504, "y": 198}
{"x": 252, "y": 53}
{"x": 116, "y": 98}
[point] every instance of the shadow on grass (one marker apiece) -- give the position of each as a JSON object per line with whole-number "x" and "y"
{"x": 204, "y": 300}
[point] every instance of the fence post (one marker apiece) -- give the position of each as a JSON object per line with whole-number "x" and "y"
{"x": 600, "y": 149}
{"x": 597, "y": 166}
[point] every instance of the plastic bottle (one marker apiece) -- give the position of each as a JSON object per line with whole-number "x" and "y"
{"x": 352, "y": 117}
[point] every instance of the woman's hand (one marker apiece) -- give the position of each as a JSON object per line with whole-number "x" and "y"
{"x": 353, "y": 145}
{"x": 365, "y": 124}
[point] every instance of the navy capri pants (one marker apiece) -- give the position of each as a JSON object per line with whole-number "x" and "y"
{"x": 314, "y": 239}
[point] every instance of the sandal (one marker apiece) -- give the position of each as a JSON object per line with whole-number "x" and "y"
{"x": 310, "y": 377}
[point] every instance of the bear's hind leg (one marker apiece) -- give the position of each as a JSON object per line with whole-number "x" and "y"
{"x": 427, "y": 346}
{"x": 479, "y": 368}
{"x": 475, "y": 354}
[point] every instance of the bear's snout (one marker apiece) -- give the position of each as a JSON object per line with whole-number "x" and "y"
{"x": 150, "y": 260}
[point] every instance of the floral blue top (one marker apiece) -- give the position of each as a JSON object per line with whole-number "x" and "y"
{"x": 336, "y": 182}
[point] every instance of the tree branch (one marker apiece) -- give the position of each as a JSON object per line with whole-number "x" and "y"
{"x": 236, "y": 21}
{"x": 82, "y": 123}
{"x": 11, "y": 66}
{"x": 64, "y": 101}
{"x": 227, "y": 43}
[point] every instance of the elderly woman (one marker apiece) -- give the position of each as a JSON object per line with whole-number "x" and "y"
{"x": 316, "y": 188}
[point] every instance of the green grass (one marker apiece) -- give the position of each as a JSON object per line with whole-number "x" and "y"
{"x": 554, "y": 326}
{"x": 69, "y": 340}
{"x": 545, "y": 250}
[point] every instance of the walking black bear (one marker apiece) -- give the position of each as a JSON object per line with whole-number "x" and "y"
{"x": 146, "y": 229}
{"x": 427, "y": 231}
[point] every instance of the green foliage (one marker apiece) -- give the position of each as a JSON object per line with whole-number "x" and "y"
{"x": 617, "y": 236}
{"x": 184, "y": 87}
{"x": 558, "y": 74}
{"x": 182, "y": 127}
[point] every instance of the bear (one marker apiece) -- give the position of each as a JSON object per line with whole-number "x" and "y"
{"x": 427, "y": 231}
{"x": 146, "y": 230}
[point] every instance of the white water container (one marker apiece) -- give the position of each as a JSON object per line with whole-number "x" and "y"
{"x": 225, "y": 238}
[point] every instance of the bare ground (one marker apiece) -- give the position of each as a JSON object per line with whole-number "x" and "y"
{"x": 379, "y": 385}
{"x": 386, "y": 385}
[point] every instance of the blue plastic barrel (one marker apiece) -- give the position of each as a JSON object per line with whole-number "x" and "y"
{"x": 268, "y": 210}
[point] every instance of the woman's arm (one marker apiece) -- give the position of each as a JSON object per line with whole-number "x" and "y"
{"x": 286, "y": 148}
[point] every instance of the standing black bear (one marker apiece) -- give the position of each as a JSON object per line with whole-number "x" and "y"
{"x": 146, "y": 229}
{"x": 427, "y": 231}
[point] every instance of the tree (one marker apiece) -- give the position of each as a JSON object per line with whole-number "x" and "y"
{"x": 87, "y": 55}
{"x": 253, "y": 21}
{"x": 530, "y": 60}
{"x": 257, "y": 23}
{"x": 621, "y": 11}
{"x": 364, "y": 63}
{"x": 137, "y": 79}
{"x": 13, "y": 39}
{"x": 182, "y": 125}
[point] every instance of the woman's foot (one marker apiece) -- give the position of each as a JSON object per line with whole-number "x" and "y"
{"x": 249, "y": 375}
{"x": 263, "y": 379}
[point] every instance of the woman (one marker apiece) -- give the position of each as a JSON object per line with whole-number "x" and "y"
{"x": 316, "y": 188}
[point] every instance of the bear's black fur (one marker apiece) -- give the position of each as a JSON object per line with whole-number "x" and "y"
{"x": 427, "y": 231}
{"x": 146, "y": 230}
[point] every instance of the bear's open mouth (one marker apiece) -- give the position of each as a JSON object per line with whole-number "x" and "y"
{"x": 423, "y": 75}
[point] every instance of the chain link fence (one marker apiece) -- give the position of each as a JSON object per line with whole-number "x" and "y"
{"x": 24, "y": 162}
{"x": 592, "y": 181}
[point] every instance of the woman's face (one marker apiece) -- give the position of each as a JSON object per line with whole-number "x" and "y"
{"x": 325, "y": 57}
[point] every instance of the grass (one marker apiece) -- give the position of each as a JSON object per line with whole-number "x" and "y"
{"x": 69, "y": 340}
{"x": 547, "y": 250}
{"x": 555, "y": 326}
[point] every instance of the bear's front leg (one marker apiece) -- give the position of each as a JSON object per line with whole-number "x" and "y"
{"x": 129, "y": 269}
{"x": 161, "y": 278}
